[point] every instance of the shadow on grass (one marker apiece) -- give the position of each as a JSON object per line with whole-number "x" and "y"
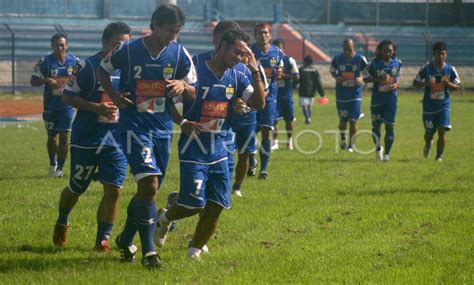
{"x": 398, "y": 191}
{"x": 42, "y": 258}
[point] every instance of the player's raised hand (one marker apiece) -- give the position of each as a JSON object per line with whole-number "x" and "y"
{"x": 190, "y": 127}
{"x": 252, "y": 62}
{"x": 176, "y": 87}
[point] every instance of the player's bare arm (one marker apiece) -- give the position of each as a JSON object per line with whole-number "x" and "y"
{"x": 179, "y": 87}
{"x": 103, "y": 109}
{"x": 118, "y": 98}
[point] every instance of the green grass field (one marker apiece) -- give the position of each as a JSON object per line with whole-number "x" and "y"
{"x": 319, "y": 218}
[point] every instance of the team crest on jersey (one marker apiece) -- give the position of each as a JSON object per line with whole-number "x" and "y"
{"x": 354, "y": 68}
{"x": 273, "y": 61}
{"x": 168, "y": 72}
{"x": 229, "y": 92}
{"x": 70, "y": 69}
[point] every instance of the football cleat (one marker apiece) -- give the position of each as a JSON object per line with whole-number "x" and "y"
{"x": 362, "y": 115}
{"x": 237, "y": 192}
{"x": 386, "y": 157}
{"x": 127, "y": 253}
{"x": 60, "y": 235}
{"x": 52, "y": 170}
{"x": 263, "y": 175}
{"x": 58, "y": 173}
{"x": 427, "y": 149}
{"x": 204, "y": 249}
{"x": 343, "y": 145}
{"x": 104, "y": 246}
{"x": 439, "y": 159}
{"x": 152, "y": 260}
{"x": 350, "y": 149}
{"x": 379, "y": 154}
{"x": 159, "y": 236}
{"x": 307, "y": 121}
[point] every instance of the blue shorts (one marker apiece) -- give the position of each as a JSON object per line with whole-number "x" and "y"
{"x": 111, "y": 162}
{"x": 348, "y": 111}
{"x": 384, "y": 113}
{"x": 58, "y": 121}
{"x": 146, "y": 155}
{"x": 266, "y": 117}
{"x": 434, "y": 121}
{"x": 246, "y": 138}
{"x": 200, "y": 183}
{"x": 285, "y": 109}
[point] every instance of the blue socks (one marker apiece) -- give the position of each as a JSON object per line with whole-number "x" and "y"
{"x": 61, "y": 163}
{"x": 130, "y": 229}
{"x": 53, "y": 160}
{"x": 104, "y": 230}
{"x": 389, "y": 138}
{"x": 63, "y": 217}
{"x": 146, "y": 217}
{"x": 265, "y": 153}
{"x": 376, "y": 137}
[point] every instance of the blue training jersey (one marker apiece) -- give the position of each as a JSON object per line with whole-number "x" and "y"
{"x": 285, "y": 86}
{"x": 144, "y": 77}
{"x": 50, "y": 66}
{"x": 347, "y": 90}
{"x": 381, "y": 92}
{"x": 270, "y": 61}
{"x": 89, "y": 129}
{"x": 436, "y": 95}
{"x": 212, "y": 108}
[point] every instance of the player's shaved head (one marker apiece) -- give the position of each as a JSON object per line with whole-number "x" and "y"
{"x": 224, "y": 26}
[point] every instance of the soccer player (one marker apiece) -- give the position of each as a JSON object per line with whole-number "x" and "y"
{"x": 438, "y": 78}
{"x": 154, "y": 69}
{"x": 53, "y": 71}
{"x": 384, "y": 72}
{"x": 204, "y": 170}
{"x": 94, "y": 142}
{"x": 309, "y": 83}
{"x": 347, "y": 69}
{"x": 285, "y": 108}
{"x": 271, "y": 58}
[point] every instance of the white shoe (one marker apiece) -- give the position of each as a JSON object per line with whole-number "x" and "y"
{"x": 204, "y": 249}
{"x": 275, "y": 145}
{"x": 194, "y": 253}
{"x": 52, "y": 170}
{"x": 350, "y": 149}
{"x": 427, "y": 149}
{"x": 237, "y": 192}
{"x": 386, "y": 157}
{"x": 290, "y": 144}
{"x": 58, "y": 173}
{"x": 362, "y": 115}
{"x": 379, "y": 154}
{"x": 159, "y": 236}
{"x": 439, "y": 159}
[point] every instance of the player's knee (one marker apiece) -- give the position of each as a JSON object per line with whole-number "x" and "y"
{"x": 212, "y": 210}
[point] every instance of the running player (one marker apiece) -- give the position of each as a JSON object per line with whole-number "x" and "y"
{"x": 438, "y": 78}
{"x": 94, "y": 142}
{"x": 347, "y": 69}
{"x": 154, "y": 69}
{"x": 384, "y": 72}
{"x": 53, "y": 71}
{"x": 285, "y": 109}
{"x": 309, "y": 83}
{"x": 271, "y": 58}
{"x": 204, "y": 169}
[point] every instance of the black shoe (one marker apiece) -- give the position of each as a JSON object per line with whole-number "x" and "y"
{"x": 263, "y": 175}
{"x": 252, "y": 170}
{"x": 127, "y": 253}
{"x": 152, "y": 261}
